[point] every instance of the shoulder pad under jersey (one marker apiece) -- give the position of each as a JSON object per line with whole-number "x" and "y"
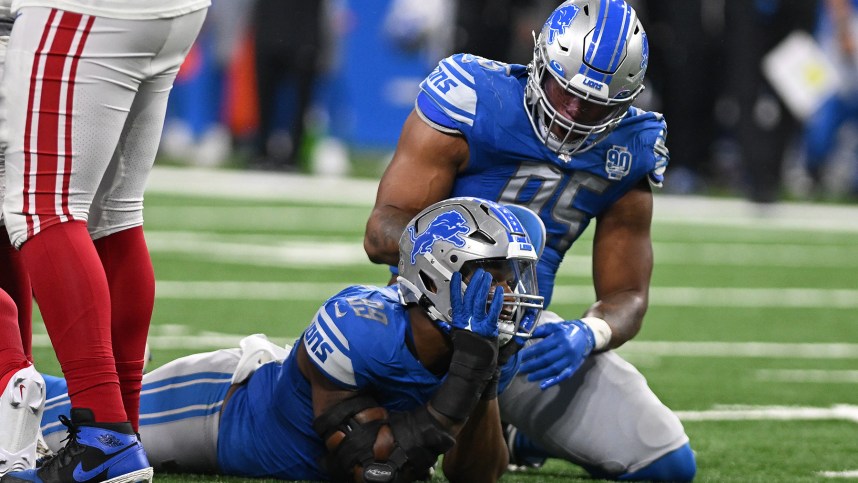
{"x": 448, "y": 96}
{"x": 650, "y": 130}
{"x": 351, "y": 322}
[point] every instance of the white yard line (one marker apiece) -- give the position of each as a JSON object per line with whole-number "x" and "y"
{"x": 773, "y": 350}
{"x": 248, "y": 290}
{"x": 176, "y": 336}
{"x": 839, "y": 474}
{"x": 279, "y": 253}
{"x": 322, "y": 219}
{"x": 816, "y": 376}
{"x": 693, "y": 210}
{"x": 726, "y": 297}
{"x": 321, "y": 251}
{"x": 843, "y": 412}
{"x": 755, "y": 254}
{"x": 195, "y": 342}
{"x": 566, "y": 294}
{"x": 258, "y": 185}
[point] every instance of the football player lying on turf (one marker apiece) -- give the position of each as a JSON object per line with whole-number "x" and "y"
{"x": 382, "y": 382}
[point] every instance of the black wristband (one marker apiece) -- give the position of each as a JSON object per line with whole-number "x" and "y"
{"x": 472, "y": 351}
{"x": 473, "y": 365}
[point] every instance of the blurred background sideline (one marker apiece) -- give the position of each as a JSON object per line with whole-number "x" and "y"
{"x": 759, "y": 95}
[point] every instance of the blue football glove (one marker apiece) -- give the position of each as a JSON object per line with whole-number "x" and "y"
{"x": 469, "y": 313}
{"x": 560, "y": 353}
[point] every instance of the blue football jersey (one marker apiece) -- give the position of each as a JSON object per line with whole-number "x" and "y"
{"x": 358, "y": 340}
{"x": 483, "y": 100}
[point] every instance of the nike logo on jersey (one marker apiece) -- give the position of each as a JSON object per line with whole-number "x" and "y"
{"x": 337, "y": 310}
{"x": 21, "y": 388}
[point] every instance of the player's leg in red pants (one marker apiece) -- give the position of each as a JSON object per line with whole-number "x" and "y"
{"x": 74, "y": 298}
{"x": 131, "y": 279}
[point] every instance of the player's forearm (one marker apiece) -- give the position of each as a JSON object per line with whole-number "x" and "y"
{"x": 383, "y": 230}
{"x": 623, "y": 312}
{"x": 480, "y": 454}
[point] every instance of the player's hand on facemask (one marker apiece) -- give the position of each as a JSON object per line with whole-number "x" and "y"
{"x": 560, "y": 353}
{"x": 475, "y": 330}
{"x": 469, "y": 311}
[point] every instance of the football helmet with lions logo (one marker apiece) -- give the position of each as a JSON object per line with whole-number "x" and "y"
{"x": 464, "y": 234}
{"x": 588, "y": 66}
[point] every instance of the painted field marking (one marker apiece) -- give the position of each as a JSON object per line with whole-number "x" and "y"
{"x": 808, "y": 376}
{"x": 566, "y": 294}
{"x": 669, "y": 209}
{"x": 839, "y": 474}
{"x": 243, "y": 251}
{"x": 176, "y": 336}
{"x": 844, "y": 412}
{"x": 771, "y": 350}
{"x": 305, "y": 249}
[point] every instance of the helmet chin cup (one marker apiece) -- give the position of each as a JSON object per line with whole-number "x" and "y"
{"x": 506, "y": 330}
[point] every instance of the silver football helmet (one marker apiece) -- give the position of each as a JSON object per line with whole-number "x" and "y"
{"x": 590, "y": 58}
{"x": 463, "y": 234}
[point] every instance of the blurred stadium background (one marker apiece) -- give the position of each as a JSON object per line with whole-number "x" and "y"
{"x": 731, "y": 132}
{"x": 752, "y": 331}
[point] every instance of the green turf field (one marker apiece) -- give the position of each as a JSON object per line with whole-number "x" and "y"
{"x": 751, "y": 335}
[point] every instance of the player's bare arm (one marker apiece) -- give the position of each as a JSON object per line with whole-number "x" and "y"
{"x": 480, "y": 454}
{"x": 622, "y": 264}
{"x": 424, "y": 154}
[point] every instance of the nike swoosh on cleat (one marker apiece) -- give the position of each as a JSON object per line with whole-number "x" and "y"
{"x": 81, "y": 474}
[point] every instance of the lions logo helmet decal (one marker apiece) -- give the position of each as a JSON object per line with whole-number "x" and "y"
{"x": 559, "y": 21}
{"x": 449, "y": 226}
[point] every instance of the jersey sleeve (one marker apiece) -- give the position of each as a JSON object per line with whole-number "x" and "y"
{"x": 352, "y": 340}
{"x": 661, "y": 156}
{"x": 328, "y": 345}
{"x": 448, "y": 96}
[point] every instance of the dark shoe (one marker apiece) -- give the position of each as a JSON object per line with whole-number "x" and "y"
{"x": 519, "y": 458}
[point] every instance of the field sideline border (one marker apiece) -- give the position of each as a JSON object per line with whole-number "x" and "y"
{"x": 263, "y": 185}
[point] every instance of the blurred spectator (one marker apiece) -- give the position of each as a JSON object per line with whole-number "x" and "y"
{"x": 202, "y": 111}
{"x": 289, "y": 42}
{"x": 684, "y": 69}
{"x": 837, "y": 36}
{"x": 421, "y": 26}
{"x": 763, "y": 127}
{"x": 488, "y": 27}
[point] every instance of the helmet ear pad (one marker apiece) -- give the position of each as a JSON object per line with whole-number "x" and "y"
{"x": 532, "y": 224}
{"x": 597, "y": 51}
